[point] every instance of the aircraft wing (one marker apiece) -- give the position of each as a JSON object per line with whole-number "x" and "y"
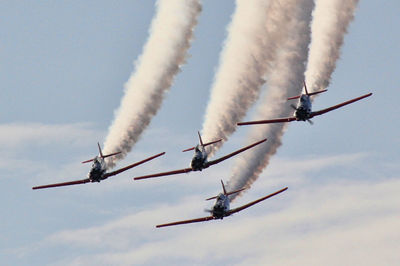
{"x": 77, "y": 182}
{"x": 131, "y": 166}
{"x": 279, "y": 120}
{"x": 323, "y": 111}
{"x": 203, "y": 219}
{"x": 175, "y": 172}
{"x": 235, "y": 153}
{"x": 232, "y": 211}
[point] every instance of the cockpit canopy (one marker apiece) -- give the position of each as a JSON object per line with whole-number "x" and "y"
{"x": 96, "y": 163}
{"x": 220, "y": 196}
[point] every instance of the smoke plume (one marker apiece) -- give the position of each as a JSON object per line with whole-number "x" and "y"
{"x": 164, "y": 53}
{"x": 330, "y": 22}
{"x": 254, "y": 35}
{"x": 284, "y": 80}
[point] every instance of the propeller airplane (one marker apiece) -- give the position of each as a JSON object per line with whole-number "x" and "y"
{"x": 221, "y": 207}
{"x": 199, "y": 160}
{"x": 98, "y": 171}
{"x": 303, "y": 109}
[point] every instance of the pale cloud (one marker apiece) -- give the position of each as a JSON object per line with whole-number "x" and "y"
{"x": 339, "y": 222}
{"x": 17, "y": 134}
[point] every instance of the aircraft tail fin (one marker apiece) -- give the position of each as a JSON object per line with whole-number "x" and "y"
{"x": 223, "y": 187}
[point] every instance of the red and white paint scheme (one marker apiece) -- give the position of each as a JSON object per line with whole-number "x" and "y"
{"x": 303, "y": 110}
{"x": 98, "y": 171}
{"x": 221, "y": 207}
{"x": 199, "y": 160}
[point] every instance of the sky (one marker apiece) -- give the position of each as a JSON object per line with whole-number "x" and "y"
{"x": 63, "y": 66}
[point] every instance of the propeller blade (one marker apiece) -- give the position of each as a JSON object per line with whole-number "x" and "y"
{"x": 208, "y": 210}
{"x": 294, "y": 107}
{"x": 309, "y": 121}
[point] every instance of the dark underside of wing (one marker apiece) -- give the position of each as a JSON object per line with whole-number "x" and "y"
{"x": 235, "y": 153}
{"x": 255, "y": 202}
{"x": 278, "y": 120}
{"x": 323, "y": 111}
{"x": 203, "y": 219}
{"x": 131, "y": 166}
{"x": 175, "y": 172}
{"x": 77, "y": 182}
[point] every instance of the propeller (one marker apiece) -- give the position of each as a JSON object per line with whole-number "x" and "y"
{"x": 294, "y": 107}
{"x": 309, "y": 121}
{"x": 208, "y": 210}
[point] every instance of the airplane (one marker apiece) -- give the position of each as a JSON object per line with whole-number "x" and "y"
{"x": 303, "y": 110}
{"x": 221, "y": 207}
{"x": 199, "y": 160}
{"x": 98, "y": 171}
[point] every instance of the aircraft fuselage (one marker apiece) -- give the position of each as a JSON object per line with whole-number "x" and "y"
{"x": 303, "y": 109}
{"x": 221, "y": 206}
{"x": 98, "y": 170}
{"x": 199, "y": 160}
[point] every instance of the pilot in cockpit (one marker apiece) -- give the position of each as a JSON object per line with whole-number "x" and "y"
{"x": 96, "y": 164}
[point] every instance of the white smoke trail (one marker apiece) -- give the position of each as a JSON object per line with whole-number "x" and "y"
{"x": 330, "y": 22}
{"x": 164, "y": 53}
{"x": 253, "y": 37}
{"x": 284, "y": 80}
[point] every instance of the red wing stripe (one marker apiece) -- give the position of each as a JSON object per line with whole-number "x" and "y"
{"x": 204, "y": 219}
{"x": 83, "y": 181}
{"x": 235, "y": 153}
{"x": 279, "y": 120}
{"x": 323, "y": 111}
{"x": 255, "y": 202}
{"x": 131, "y": 166}
{"x": 175, "y": 172}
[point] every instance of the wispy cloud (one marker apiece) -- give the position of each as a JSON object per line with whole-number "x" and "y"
{"x": 19, "y": 134}
{"x": 309, "y": 224}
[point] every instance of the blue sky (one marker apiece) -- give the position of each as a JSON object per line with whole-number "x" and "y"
{"x": 62, "y": 71}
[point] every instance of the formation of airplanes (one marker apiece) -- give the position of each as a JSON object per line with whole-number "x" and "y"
{"x": 302, "y": 112}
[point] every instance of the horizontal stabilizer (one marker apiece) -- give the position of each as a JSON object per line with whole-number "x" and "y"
{"x": 209, "y": 143}
{"x": 316, "y": 92}
{"x": 294, "y": 97}
{"x": 309, "y": 94}
{"x": 104, "y": 156}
